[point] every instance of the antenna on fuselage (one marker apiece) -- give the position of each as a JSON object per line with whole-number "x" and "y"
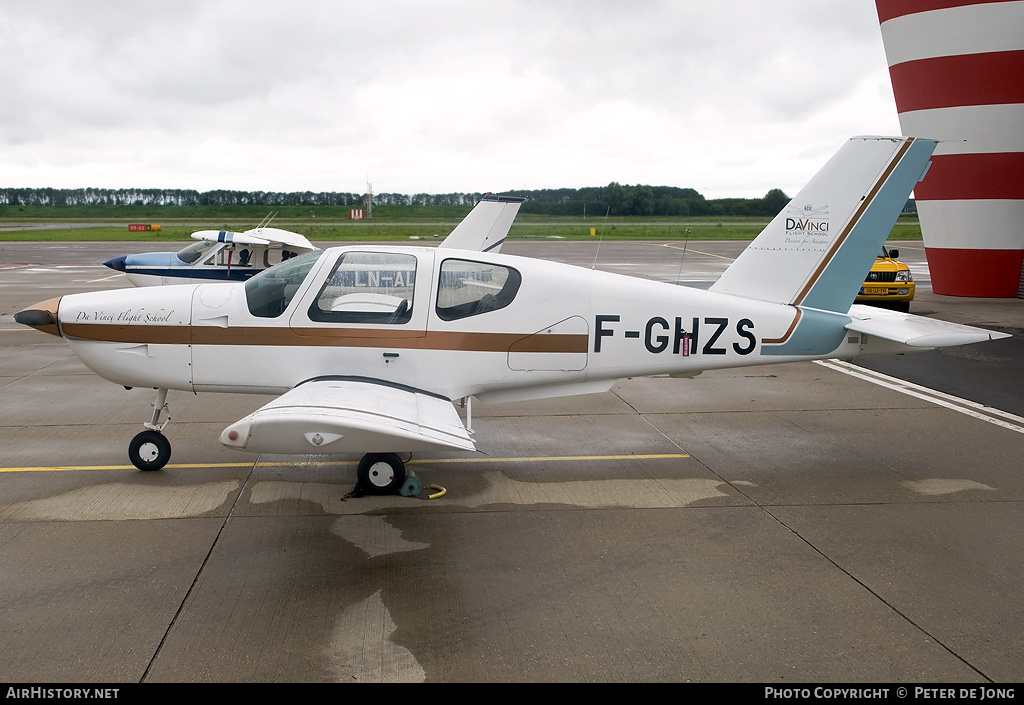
{"x": 266, "y": 221}
{"x": 600, "y": 239}
{"x": 682, "y": 257}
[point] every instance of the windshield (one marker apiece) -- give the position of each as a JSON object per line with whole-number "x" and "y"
{"x": 195, "y": 251}
{"x": 269, "y": 292}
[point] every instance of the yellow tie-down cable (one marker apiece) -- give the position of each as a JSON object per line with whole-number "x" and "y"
{"x": 440, "y": 493}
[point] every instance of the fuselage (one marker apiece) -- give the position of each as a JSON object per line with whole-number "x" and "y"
{"x": 455, "y": 323}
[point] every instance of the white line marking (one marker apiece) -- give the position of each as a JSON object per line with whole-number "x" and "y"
{"x": 963, "y": 406}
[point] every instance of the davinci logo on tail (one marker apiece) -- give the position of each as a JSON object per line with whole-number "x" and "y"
{"x": 806, "y": 221}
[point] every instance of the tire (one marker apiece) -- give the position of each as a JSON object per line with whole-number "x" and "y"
{"x": 150, "y": 450}
{"x": 381, "y": 473}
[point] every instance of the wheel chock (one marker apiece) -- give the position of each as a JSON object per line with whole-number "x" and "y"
{"x": 411, "y": 487}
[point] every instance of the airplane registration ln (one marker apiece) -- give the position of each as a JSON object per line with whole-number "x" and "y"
{"x": 217, "y": 256}
{"x": 368, "y": 347}
{"x": 226, "y": 256}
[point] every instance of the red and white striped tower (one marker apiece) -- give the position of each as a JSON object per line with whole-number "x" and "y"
{"x": 957, "y": 69}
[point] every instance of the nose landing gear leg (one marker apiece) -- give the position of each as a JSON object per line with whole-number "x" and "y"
{"x": 150, "y": 450}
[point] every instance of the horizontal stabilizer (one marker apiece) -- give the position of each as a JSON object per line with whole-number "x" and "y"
{"x": 486, "y": 226}
{"x": 915, "y": 331}
{"x": 350, "y": 415}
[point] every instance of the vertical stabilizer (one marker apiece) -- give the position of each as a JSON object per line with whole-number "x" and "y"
{"x": 486, "y": 226}
{"x": 817, "y": 251}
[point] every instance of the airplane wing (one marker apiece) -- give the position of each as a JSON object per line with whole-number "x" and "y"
{"x": 486, "y": 226}
{"x": 350, "y": 414}
{"x": 915, "y": 331}
{"x": 258, "y": 236}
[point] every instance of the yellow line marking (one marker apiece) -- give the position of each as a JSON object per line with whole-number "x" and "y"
{"x": 65, "y": 468}
{"x": 421, "y": 461}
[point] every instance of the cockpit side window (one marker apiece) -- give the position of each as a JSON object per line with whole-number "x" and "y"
{"x": 223, "y": 256}
{"x": 468, "y": 288}
{"x": 367, "y": 287}
{"x": 268, "y": 293}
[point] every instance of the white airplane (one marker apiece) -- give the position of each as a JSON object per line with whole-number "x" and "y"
{"x": 368, "y": 346}
{"x": 223, "y": 256}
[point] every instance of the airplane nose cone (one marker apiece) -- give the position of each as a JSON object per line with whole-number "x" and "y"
{"x": 117, "y": 263}
{"x": 41, "y": 316}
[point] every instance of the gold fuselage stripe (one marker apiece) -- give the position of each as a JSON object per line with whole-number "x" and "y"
{"x": 789, "y": 331}
{"x": 328, "y": 337}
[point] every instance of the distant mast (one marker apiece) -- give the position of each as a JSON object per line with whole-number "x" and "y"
{"x": 369, "y": 199}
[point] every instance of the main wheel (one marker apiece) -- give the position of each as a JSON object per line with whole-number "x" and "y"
{"x": 381, "y": 473}
{"x": 150, "y": 450}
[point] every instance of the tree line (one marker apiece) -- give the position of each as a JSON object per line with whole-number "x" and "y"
{"x": 614, "y": 200}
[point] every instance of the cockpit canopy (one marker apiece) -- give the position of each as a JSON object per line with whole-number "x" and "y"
{"x": 379, "y": 287}
{"x": 194, "y": 252}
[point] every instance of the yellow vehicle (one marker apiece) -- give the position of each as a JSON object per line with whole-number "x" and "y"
{"x": 888, "y": 283}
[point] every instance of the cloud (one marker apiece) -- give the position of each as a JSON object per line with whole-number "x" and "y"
{"x": 731, "y": 98}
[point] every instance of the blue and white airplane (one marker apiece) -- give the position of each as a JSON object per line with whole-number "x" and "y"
{"x": 218, "y": 256}
{"x": 367, "y": 346}
{"x": 223, "y": 256}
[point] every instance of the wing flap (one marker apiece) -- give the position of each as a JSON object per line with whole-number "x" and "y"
{"x": 915, "y": 331}
{"x": 350, "y": 415}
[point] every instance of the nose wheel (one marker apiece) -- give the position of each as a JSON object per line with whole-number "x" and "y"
{"x": 150, "y": 450}
{"x": 381, "y": 473}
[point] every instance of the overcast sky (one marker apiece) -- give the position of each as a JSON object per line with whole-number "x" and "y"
{"x": 731, "y": 97}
